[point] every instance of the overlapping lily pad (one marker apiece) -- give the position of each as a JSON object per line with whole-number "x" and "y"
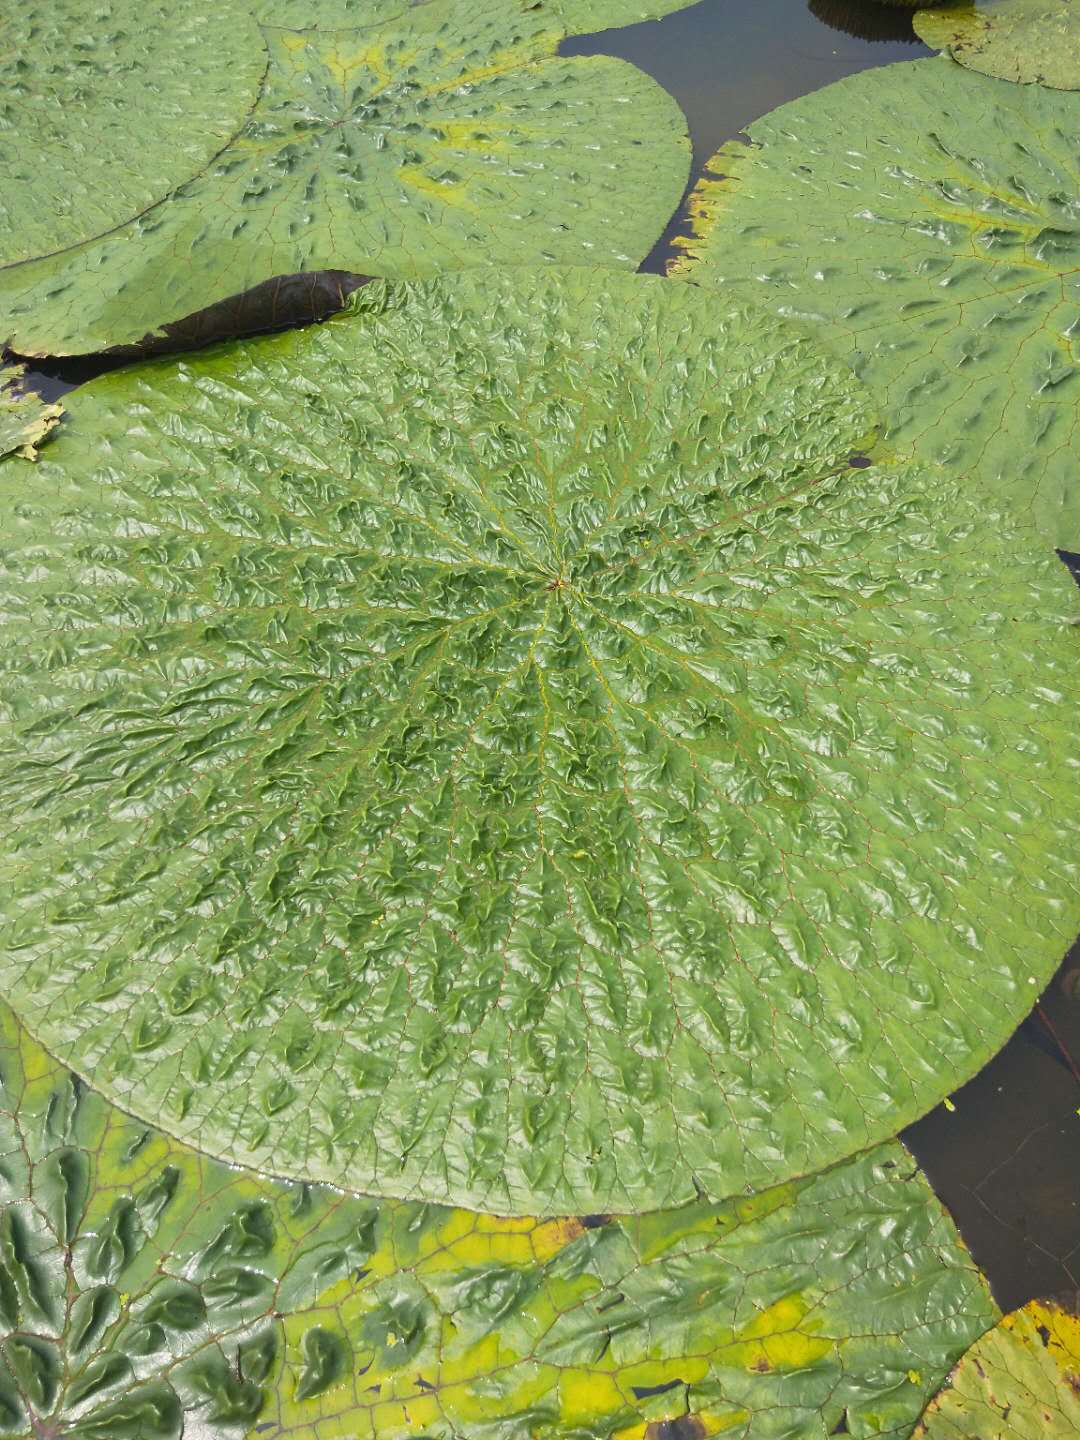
{"x": 144, "y": 1288}
{"x": 1028, "y": 41}
{"x": 438, "y": 136}
{"x": 25, "y": 419}
{"x": 495, "y": 748}
{"x": 1020, "y": 1381}
{"x": 105, "y": 109}
{"x": 926, "y": 220}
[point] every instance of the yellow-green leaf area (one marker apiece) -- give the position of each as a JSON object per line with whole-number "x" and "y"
{"x": 1026, "y": 41}
{"x": 496, "y": 749}
{"x": 941, "y": 258}
{"x": 106, "y": 108}
{"x": 146, "y": 1290}
{"x": 1020, "y": 1381}
{"x": 25, "y": 419}
{"x": 449, "y": 135}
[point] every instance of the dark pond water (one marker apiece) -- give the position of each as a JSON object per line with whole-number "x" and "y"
{"x": 1006, "y": 1157}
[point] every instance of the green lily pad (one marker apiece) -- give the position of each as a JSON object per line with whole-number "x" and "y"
{"x": 1028, "y": 41}
{"x": 144, "y": 1288}
{"x": 25, "y": 419}
{"x": 105, "y": 109}
{"x": 1020, "y": 1381}
{"x": 495, "y": 749}
{"x": 449, "y": 135}
{"x": 582, "y": 16}
{"x": 571, "y": 17}
{"x": 941, "y": 258}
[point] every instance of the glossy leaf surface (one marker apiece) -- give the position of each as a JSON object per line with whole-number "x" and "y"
{"x": 144, "y": 1288}
{"x": 495, "y": 749}
{"x": 582, "y": 16}
{"x": 106, "y": 108}
{"x": 445, "y": 135}
{"x": 1027, "y": 41}
{"x": 25, "y": 419}
{"x": 941, "y": 257}
{"x": 1021, "y": 1381}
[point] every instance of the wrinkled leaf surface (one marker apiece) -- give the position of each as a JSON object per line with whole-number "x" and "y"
{"x": 106, "y": 108}
{"x": 925, "y": 220}
{"x": 144, "y": 1288}
{"x": 495, "y": 749}
{"x": 447, "y": 135}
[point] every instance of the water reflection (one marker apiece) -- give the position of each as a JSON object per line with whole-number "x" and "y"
{"x": 865, "y": 20}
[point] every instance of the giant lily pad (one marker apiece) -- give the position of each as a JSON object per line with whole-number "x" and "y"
{"x": 447, "y": 135}
{"x": 142, "y": 1286}
{"x": 105, "y": 109}
{"x": 495, "y": 749}
{"x": 936, "y": 245}
{"x": 1029, "y": 41}
{"x": 1020, "y": 1381}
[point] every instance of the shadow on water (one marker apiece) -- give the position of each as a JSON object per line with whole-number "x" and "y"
{"x": 1005, "y": 1159}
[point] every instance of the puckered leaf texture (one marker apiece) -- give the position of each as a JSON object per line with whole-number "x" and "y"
{"x": 1020, "y": 1381}
{"x": 1027, "y": 41}
{"x": 145, "y": 1289}
{"x": 426, "y": 137}
{"x": 935, "y": 245}
{"x": 496, "y": 748}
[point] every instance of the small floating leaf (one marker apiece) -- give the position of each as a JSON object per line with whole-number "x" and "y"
{"x": 25, "y": 419}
